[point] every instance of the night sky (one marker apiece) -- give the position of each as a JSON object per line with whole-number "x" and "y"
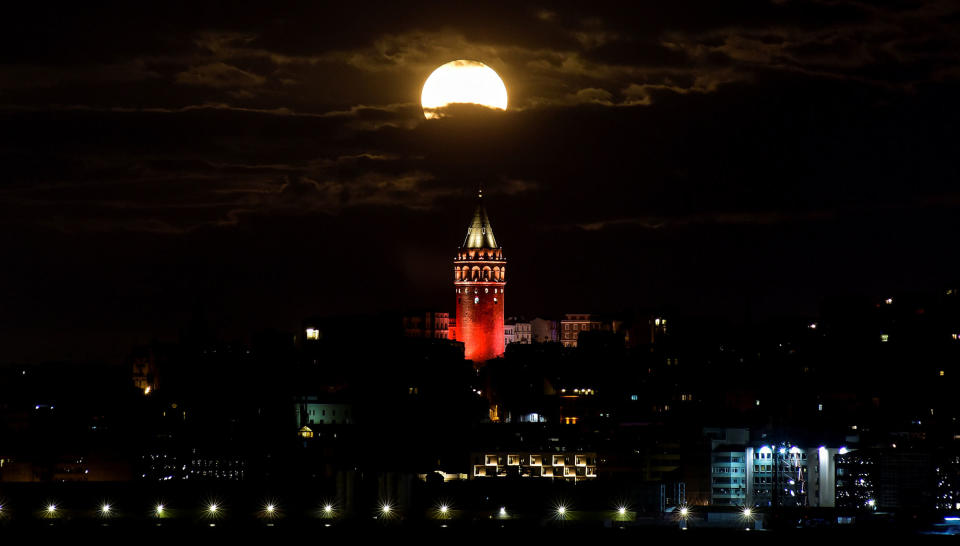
{"x": 258, "y": 166}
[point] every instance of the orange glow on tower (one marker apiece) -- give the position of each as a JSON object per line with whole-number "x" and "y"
{"x": 479, "y": 278}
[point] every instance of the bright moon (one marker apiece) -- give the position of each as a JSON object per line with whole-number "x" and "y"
{"x": 462, "y": 81}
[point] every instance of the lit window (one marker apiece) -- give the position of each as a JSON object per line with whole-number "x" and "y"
{"x": 313, "y": 333}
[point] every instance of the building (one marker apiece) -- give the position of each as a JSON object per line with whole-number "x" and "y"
{"x": 543, "y": 330}
{"x": 479, "y": 279}
{"x": 427, "y": 324}
{"x": 728, "y": 466}
{"x": 550, "y": 464}
{"x": 744, "y": 473}
{"x": 516, "y": 331}
{"x": 509, "y": 332}
{"x": 857, "y": 476}
{"x": 312, "y": 413}
{"x": 893, "y": 479}
{"x": 787, "y": 475}
{"x": 573, "y": 324}
{"x": 523, "y": 333}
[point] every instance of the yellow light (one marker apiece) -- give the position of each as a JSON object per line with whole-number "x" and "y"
{"x": 747, "y": 513}
{"x": 105, "y": 509}
{"x": 313, "y": 333}
{"x": 684, "y": 512}
{"x": 462, "y": 82}
{"x": 51, "y": 508}
{"x": 385, "y": 508}
{"x": 327, "y": 509}
{"x": 622, "y": 511}
{"x": 159, "y": 510}
{"x": 444, "y": 509}
{"x": 146, "y": 390}
{"x": 270, "y": 508}
{"x": 213, "y": 508}
{"x": 503, "y": 511}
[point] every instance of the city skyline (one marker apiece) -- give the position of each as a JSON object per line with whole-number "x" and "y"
{"x": 237, "y": 297}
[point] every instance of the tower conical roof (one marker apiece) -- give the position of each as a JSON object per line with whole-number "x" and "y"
{"x": 480, "y": 232}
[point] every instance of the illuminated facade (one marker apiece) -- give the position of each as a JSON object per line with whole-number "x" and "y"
{"x": 479, "y": 279}
{"x": 567, "y": 466}
{"x": 769, "y": 474}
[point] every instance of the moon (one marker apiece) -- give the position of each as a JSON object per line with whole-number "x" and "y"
{"x": 462, "y": 82}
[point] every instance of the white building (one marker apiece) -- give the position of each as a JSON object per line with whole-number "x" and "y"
{"x": 523, "y": 333}
{"x": 517, "y": 332}
{"x": 745, "y": 473}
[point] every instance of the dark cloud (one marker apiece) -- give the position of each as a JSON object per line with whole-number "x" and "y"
{"x": 219, "y": 75}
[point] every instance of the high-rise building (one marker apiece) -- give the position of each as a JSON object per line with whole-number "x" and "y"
{"x": 479, "y": 279}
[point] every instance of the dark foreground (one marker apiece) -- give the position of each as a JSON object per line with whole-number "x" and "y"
{"x": 375, "y": 534}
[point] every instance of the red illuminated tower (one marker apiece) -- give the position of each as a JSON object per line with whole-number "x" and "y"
{"x": 479, "y": 277}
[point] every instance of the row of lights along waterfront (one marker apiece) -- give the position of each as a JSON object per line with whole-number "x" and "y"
{"x": 385, "y": 509}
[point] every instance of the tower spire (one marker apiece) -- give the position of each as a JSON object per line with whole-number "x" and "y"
{"x": 480, "y": 232}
